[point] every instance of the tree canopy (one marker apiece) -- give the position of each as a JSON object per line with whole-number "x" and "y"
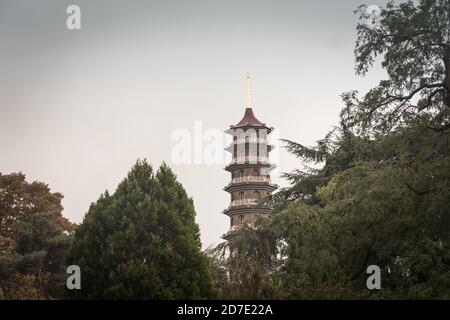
{"x": 34, "y": 237}
{"x": 375, "y": 190}
{"x": 142, "y": 242}
{"x": 412, "y": 39}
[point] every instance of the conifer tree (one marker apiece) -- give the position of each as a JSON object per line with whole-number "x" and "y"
{"x": 142, "y": 242}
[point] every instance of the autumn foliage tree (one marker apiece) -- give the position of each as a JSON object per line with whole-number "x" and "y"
{"x": 34, "y": 237}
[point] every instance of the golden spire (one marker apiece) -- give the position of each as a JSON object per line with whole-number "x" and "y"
{"x": 249, "y": 92}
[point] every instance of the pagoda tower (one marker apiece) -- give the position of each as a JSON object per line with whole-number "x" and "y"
{"x": 250, "y": 170}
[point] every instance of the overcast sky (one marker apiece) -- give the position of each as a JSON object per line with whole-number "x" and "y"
{"x": 78, "y": 107}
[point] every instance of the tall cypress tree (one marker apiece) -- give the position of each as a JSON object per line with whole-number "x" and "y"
{"x": 142, "y": 242}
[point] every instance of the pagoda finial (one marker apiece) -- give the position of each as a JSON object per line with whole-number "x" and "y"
{"x": 249, "y": 92}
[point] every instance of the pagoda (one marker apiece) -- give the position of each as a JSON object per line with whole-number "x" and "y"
{"x": 250, "y": 171}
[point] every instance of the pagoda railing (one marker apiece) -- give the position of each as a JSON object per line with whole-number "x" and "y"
{"x": 264, "y": 160}
{"x": 243, "y": 202}
{"x": 230, "y": 231}
{"x": 251, "y": 179}
{"x": 236, "y": 227}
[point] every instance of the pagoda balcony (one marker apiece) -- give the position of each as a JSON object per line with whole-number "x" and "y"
{"x": 243, "y": 205}
{"x": 235, "y": 229}
{"x": 232, "y": 232}
{"x": 262, "y": 146}
{"x": 253, "y": 182}
{"x": 249, "y": 179}
{"x": 245, "y": 202}
{"x": 263, "y": 160}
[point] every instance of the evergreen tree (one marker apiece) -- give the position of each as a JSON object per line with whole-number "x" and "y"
{"x": 142, "y": 242}
{"x": 247, "y": 266}
{"x": 391, "y": 212}
{"x": 381, "y": 196}
{"x": 379, "y": 186}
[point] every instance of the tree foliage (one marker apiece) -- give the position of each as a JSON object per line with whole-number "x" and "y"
{"x": 391, "y": 215}
{"x": 412, "y": 39}
{"x": 246, "y": 267}
{"x": 375, "y": 190}
{"x": 142, "y": 242}
{"x": 34, "y": 237}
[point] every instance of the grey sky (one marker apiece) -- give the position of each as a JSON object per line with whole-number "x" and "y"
{"x": 77, "y": 108}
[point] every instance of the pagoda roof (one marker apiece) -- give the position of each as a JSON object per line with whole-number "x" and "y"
{"x": 249, "y": 120}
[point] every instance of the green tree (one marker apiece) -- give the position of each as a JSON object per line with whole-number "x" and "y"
{"x": 142, "y": 242}
{"x": 247, "y": 266}
{"x": 378, "y": 191}
{"x": 393, "y": 216}
{"x": 413, "y": 40}
{"x": 34, "y": 238}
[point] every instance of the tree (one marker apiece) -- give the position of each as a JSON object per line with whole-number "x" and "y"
{"x": 393, "y": 216}
{"x": 379, "y": 189}
{"x": 141, "y": 242}
{"x": 34, "y": 237}
{"x": 246, "y": 267}
{"x": 413, "y": 39}
{"x": 338, "y": 151}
